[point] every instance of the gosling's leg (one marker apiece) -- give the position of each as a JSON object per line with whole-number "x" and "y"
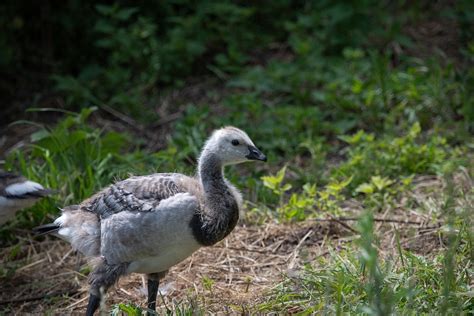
{"x": 152, "y": 294}
{"x": 102, "y": 277}
{"x": 152, "y": 284}
{"x": 93, "y": 305}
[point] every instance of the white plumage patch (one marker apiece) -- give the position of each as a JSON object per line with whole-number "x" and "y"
{"x": 81, "y": 229}
{"x": 65, "y": 232}
{"x": 23, "y": 188}
{"x": 61, "y": 219}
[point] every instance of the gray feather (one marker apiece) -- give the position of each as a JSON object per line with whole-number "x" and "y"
{"x": 128, "y": 236}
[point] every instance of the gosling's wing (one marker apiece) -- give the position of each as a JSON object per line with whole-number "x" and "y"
{"x": 164, "y": 230}
{"x": 136, "y": 194}
{"x": 17, "y": 192}
{"x": 14, "y": 186}
{"x": 155, "y": 187}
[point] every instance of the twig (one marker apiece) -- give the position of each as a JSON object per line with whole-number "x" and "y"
{"x": 78, "y": 302}
{"x": 168, "y": 119}
{"x": 30, "y": 265}
{"x": 246, "y": 249}
{"x": 387, "y": 220}
{"x": 339, "y": 221}
{"x": 65, "y": 256}
{"x": 131, "y": 122}
{"x": 316, "y": 257}
{"x": 295, "y": 251}
{"x": 125, "y": 291}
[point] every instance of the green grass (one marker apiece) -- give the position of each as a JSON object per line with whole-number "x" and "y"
{"x": 362, "y": 280}
{"x": 179, "y": 309}
{"x": 394, "y": 158}
{"x": 342, "y": 115}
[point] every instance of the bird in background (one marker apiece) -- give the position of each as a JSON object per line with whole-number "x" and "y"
{"x": 147, "y": 224}
{"x": 16, "y": 193}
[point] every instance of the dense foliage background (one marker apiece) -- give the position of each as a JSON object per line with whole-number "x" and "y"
{"x": 351, "y": 100}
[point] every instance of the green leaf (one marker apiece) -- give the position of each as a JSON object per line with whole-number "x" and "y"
{"x": 365, "y": 188}
{"x": 357, "y": 138}
{"x": 130, "y": 309}
{"x": 281, "y": 174}
{"x": 415, "y": 130}
{"x": 310, "y": 189}
{"x": 381, "y": 183}
{"x": 39, "y": 135}
{"x": 334, "y": 188}
{"x": 125, "y": 14}
{"x": 85, "y": 113}
{"x": 77, "y": 136}
{"x": 274, "y": 182}
{"x": 357, "y": 86}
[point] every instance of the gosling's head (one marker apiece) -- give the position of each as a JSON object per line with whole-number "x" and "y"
{"x": 232, "y": 146}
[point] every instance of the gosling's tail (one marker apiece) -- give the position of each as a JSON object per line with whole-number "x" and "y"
{"x": 46, "y": 229}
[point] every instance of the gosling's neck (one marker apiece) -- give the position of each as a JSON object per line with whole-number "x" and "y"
{"x": 220, "y": 211}
{"x": 211, "y": 173}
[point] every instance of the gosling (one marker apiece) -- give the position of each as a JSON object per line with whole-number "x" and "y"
{"x": 16, "y": 193}
{"x": 147, "y": 224}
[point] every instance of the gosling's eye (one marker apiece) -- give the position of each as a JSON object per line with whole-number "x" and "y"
{"x": 235, "y": 142}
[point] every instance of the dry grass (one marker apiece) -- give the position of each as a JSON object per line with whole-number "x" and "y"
{"x": 242, "y": 267}
{"x": 230, "y": 277}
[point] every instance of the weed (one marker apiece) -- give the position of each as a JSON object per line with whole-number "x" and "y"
{"x": 129, "y": 309}
{"x": 369, "y": 282}
{"x": 375, "y": 164}
{"x": 275, "y": 183}
{"x": 301, "y": 205}
{"x": 379, "y": 295}
{"x": 207, "y": 283}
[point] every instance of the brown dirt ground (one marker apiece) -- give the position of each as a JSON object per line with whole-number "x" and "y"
{"x": 48, "y": 277}
{"x": 44, "y": 276}
{"x": 242, "y": 268}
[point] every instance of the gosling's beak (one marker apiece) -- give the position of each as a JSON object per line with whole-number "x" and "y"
{"x": 255, "y": 154}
